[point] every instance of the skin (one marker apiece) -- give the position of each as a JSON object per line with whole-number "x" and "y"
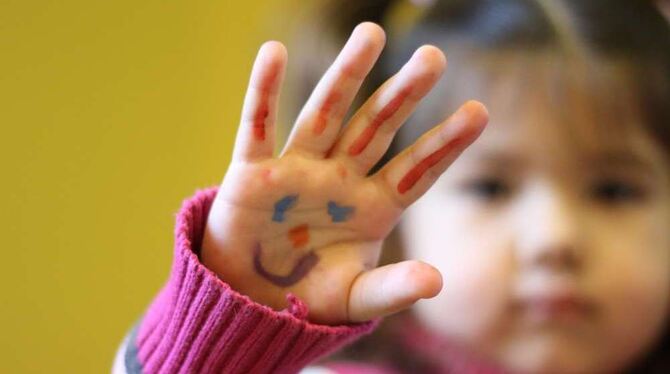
{"x": 247, "y": 240}
{"x": 552, "y": 228}
{"x": 526, "y": 211}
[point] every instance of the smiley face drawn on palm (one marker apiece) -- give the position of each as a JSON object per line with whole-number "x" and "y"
{"x": 298, "y": 222}
{"x": 310, "y": 220}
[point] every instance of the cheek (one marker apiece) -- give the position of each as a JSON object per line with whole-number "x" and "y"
{"x": 631, "y": 275}
{"x": 476, "y": 267}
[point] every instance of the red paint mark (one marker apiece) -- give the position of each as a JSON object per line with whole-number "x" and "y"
{"x": 342, "y": 171}
{"x": 369, "y": 132}
{"x": 413, "y": 176}
{"x": 350, "y": 69}
{"x": 322, "y": 117}
{"x": 259, "y": 121}
{"x": 263, "y": 109}
{"x": 299, "y": 235}
{"x": 266, "y": 175}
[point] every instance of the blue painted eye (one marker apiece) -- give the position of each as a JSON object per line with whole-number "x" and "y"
{"x": 339, "y": 213}
{"x": 282, "y": 205}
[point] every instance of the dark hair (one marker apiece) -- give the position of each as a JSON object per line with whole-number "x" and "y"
{"x": 632, "y": 32}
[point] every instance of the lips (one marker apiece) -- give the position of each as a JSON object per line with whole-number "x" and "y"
{"x": 556, "y": 304}
{"x": 563, "y": 306}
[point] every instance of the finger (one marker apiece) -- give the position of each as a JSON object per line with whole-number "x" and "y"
{"x": 256, "y": 135}
{"x": 409, "y": 175}
{"x": 320, "y": 120}
{"x": 392, "y": 288}
{"x": 372, "y": 128}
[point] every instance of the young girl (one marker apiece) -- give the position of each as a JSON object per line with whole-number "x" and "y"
{"x": 547, "y": 239}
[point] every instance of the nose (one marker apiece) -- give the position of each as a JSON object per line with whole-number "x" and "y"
{"x": 548, "y": 231}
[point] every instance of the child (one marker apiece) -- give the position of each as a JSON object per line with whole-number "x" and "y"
{"x": 547, "y": 238}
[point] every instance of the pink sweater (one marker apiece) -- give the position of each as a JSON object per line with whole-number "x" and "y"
{"x": 198, "y": 324}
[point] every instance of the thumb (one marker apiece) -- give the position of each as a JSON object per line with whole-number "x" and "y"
{"x": 392, "y": 288}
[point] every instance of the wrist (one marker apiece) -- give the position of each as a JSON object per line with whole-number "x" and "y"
{"x": 236, "y": 270}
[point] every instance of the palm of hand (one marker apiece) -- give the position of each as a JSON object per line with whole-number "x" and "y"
{"x": 311, "y": 222}
{"x": 329, "y": 216}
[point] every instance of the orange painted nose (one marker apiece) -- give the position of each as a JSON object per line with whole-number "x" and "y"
{"x": 299, "y": 235}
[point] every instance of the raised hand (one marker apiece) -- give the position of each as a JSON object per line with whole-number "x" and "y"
{"x": 310, "y": 221}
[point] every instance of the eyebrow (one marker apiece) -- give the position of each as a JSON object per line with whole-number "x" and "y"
{"x": 501, "y": 158}
{"x": 603, "y": 159}
{"x": 625, "y": 159}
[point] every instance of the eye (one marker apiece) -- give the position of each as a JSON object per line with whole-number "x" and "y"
{"x": 614, "y": 191}
{"x": 488, "y": 188}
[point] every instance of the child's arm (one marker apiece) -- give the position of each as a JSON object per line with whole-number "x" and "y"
{"x": 197, "y": 323}
{"x": 308, "y": 223}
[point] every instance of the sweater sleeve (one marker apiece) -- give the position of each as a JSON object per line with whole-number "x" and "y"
{"x": 197, "y": 323}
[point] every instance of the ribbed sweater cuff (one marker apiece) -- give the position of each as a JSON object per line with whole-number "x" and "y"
{"x": 197, "y": 323}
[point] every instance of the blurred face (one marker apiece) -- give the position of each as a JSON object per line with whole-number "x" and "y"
{"x": 555, "y": 253}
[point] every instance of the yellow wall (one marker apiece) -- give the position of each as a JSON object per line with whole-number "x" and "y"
{"x": 111, "y": 113}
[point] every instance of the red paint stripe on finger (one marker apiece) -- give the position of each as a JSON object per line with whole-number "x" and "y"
{"x": 416, "y": 172}
{"x": 263, "y": 109}
{"x": 322, "y": 116}
{"x": 259, "y": 121}
{"x": 369, "y": 132}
